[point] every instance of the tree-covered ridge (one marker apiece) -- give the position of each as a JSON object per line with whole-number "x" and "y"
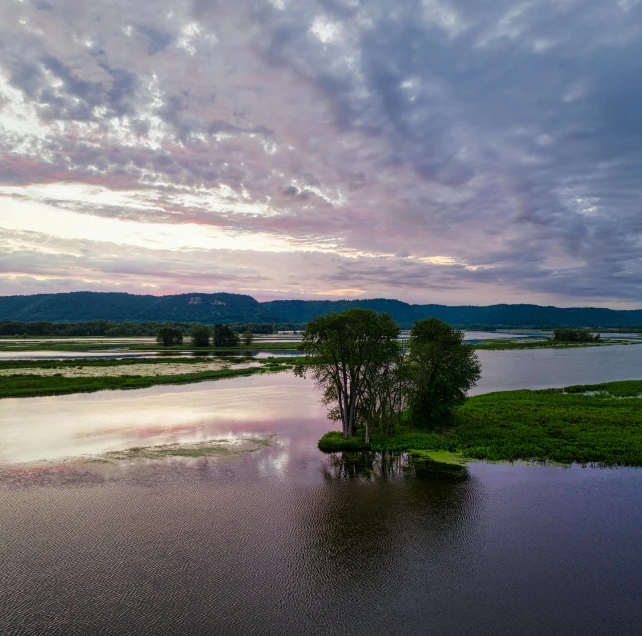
{"x": 227, "y": 308}
{"x": 504, "y": 315}
{"x": 82, "y": 306}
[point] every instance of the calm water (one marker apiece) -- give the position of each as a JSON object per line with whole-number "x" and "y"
{"x": 286, "y": 540}
{"x": 470, "y": 336}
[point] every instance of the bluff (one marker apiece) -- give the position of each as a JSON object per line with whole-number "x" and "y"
{"x": 300, "y": 311}
{"x": 76, "y": 306}
{"x": 228, "y": 308}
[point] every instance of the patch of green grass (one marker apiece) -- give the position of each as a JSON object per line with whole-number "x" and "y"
{"x": 27, "y": 385}
{"x": 439, "y": 457}
{"x": 117, "y": 362}
{"x": 557, "y": 425}
{"x": 258, "y": 345}
{"x": 511, "y": 345}
{"x": 334, "y": 441}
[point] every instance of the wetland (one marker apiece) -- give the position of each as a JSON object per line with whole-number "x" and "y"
{"x": 208, "y": 507}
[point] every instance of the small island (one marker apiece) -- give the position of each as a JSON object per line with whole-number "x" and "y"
{"x": 411, "y": 397}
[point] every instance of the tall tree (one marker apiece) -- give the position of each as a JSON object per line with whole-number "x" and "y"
{"x": 169, "y": 336}
{"x": 224, "y": 336}
{"x": 384, "y": 397}
{"x": 200, "y": 335}
{"x": 342, "y": 353}
{"x": 442, "y": 369}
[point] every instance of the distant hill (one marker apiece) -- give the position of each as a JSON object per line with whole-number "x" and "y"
{"x": 493, "y": 315}
{"x": 196, "y": 307}
{"x": 228, "y": 308}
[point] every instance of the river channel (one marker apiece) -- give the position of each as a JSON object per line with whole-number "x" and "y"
{"x": 286, "y": 540}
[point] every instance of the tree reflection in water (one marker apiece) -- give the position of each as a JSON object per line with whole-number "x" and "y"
{"x": 370, "y": 466}
{"x": 367, "y": 465}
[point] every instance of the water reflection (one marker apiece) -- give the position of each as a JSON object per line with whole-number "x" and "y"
{"x": 367, "y": 465}
{"x": 286, "y": 540}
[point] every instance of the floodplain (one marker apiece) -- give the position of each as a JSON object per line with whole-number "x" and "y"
{"x": 121, "y": 500}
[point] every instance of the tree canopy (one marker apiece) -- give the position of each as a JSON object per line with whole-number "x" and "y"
{"x": 369, "y": 378}
{"x": 574, "y": 335}
{"x": 200, "y": 335}
{"x": 441, "y": 368}
{"x": 169, "y": 336}
{"x": 224, "y": 336}
{"x": 344, "y": 352}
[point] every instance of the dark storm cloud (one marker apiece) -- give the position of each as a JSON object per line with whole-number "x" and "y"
{"x": 504, "y": 138}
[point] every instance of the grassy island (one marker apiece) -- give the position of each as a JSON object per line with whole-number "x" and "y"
{"x": 588, "y": 424}
{"x": 31, "y": 378}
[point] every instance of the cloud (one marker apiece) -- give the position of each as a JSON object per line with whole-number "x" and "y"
{"x": 504, "y": 138}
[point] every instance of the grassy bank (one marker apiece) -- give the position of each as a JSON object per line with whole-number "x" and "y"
{"x": 133, "y": 346}
{"x": 23, "y": 385}
{"x": 70, "y": 363}
{"x": 593, "y": 424}
{"x": 508, "y": 345}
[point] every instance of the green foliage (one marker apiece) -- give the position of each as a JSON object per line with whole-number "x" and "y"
{"x": 200, "y": 336}
{"x": 224, "y": 336}
{"x": 593, "y": 424}
{"x": 441, "y": 370}
{"x": 265, "y": 328}
{"x": 28, "y": 385}
{"x": 248, "y": 337}
{"x": 574, "y": 335}
{"x": 169, "y": 336}
{"x": 335, "y": 441}
{"x": 343, "y": 353}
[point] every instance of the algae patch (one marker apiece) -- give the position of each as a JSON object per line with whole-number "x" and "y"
{"x": 439, "y": 457}
{"x": 210, "y": 448}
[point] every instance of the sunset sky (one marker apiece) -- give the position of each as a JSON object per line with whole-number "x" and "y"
{"x": 434, "y": 151}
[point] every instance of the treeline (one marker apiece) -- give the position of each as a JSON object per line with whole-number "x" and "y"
{"x": 110, "y": 328}
{"x": 574, "y": 335}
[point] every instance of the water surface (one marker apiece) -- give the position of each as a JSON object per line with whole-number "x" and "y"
{"x": 287, "y": 540}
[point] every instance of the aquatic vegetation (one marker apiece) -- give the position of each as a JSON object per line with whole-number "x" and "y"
{"x": 209, "y": 448}
{"x": 586, "y": 424}
{"x": 30, "y": 385}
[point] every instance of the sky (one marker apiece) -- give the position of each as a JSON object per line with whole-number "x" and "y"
{"x": 433, "y": 151}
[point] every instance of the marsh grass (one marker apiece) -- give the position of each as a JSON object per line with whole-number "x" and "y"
{"x": 511, "y": 345}
{"x": 118, "y": 362}
{"x": 30, "y": 385}
{"x": 585, "y": 424}
{"x": 257, "y": 345}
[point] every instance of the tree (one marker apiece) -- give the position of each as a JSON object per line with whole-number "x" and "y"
{"x": 383, "y": 399}
{"x": 343, "y": 353}
{"x": 441, "y": 368}
{"x": 248, "y": 337}
{"x": 224, "y": 336}
{"x": 574, "y": 335}
{"x": 168, "y": 336}
{"x": 200, "y": 335}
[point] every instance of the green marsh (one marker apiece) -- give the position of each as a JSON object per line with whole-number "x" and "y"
{"x": 597, "y": 424}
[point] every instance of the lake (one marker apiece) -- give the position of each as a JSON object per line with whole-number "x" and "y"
{"x": 286, "y": 540}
